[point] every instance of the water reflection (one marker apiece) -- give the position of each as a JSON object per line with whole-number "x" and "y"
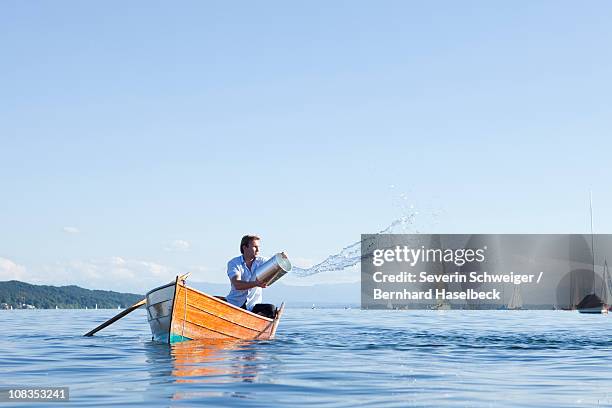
{"x": 203, "y": 369}
{"x": 202, "y": 361}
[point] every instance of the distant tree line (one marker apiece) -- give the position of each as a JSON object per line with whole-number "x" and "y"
{"x": 15, "y": 293}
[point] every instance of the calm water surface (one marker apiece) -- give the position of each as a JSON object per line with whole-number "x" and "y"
{"x": 322, "y": 358}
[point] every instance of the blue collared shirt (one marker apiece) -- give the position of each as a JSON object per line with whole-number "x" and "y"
{"x": 237, "y": 267}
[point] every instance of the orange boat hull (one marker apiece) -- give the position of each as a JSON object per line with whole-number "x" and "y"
{"x": 195, "y": 315}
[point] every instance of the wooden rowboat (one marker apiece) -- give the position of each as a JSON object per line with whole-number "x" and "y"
{"x": 178, "y": 313}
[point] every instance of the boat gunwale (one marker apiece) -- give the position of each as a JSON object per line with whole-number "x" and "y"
{"x": 159, "y": 288}
{"x": 210, "y": 297}
{"x": 267, "y": 319}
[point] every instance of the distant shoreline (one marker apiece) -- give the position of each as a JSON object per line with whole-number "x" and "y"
{"x": 17, "y": 295}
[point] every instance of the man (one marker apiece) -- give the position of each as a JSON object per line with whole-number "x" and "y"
{"x": 246, "y": 291}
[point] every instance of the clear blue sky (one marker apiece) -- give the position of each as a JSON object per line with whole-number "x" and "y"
{"x": 142, "y": 139}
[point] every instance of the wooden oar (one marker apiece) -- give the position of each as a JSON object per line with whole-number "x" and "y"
{"x": 119, "y": 316}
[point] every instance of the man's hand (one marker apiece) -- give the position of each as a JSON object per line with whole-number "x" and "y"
{"x": 261, "y": 284}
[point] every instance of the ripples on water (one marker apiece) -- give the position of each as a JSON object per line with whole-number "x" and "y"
{"x": 320, "y": 358}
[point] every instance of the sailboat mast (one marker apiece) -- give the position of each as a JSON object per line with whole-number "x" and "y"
{"x": 592, "y": 237}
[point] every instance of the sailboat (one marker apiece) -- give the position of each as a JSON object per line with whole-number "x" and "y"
{"x": 591, "y": 303}
{"x": 516, "y": 301}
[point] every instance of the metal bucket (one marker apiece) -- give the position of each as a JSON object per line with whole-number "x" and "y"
{"x": 273, "y": 269}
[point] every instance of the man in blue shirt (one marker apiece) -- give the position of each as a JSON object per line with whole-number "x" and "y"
{"x": 246, "y": 290}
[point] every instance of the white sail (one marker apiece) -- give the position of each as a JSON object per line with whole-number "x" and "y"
{"x": 606, "y": 296}
{"x": 516, "y": 301}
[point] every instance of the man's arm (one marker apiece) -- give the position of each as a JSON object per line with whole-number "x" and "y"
{"x": 246, "y": 285}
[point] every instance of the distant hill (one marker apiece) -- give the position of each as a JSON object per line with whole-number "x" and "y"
{"x": 20, "y": 294}
{"x": 17, "y": 294}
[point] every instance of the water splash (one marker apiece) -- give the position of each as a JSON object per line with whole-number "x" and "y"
{"x": 351, "y": 255}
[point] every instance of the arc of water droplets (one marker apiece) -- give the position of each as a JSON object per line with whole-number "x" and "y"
{"x": 350, "y": 255}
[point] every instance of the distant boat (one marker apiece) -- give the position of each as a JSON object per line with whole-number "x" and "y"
{"x": 178, "y": 313}
{"x": 442, "y": 306}
{"x": 591, "y": 303}
{"x": 516, "y": 301}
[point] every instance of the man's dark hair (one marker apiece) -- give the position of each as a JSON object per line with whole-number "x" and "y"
{"x": 246, "y": 240}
